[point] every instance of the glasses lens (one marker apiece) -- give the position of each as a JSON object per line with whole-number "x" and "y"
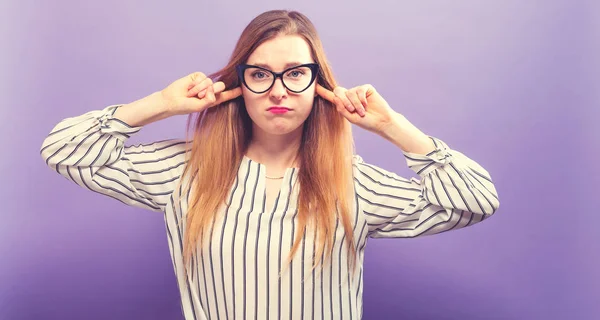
{"x": 260, "y": 80}
{"x": 257, "y": 79}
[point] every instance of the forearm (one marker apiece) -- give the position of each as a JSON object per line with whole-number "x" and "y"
{"x": 406, "y": 136}
{"x": 143, "y": 111}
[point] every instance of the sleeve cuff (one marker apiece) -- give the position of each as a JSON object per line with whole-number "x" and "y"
{"x": 424, "y": 164}
{"x": 114, "y": 126}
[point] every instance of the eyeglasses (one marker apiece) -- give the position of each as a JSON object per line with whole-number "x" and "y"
{"x": 295, "y": 79}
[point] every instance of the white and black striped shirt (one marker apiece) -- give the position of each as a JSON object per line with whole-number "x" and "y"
{"x": 237, "y": 274}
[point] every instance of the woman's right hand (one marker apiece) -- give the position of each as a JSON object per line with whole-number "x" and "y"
{"x": 196, "y": 93}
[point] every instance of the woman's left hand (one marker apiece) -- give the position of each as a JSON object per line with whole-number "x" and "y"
{"x": 361, "y": 105}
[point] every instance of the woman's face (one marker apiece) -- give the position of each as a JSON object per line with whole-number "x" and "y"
{"x": 279, "y": 54}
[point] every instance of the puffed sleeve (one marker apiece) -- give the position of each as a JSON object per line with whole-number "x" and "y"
{"x": 452, "y": 192}
{"x": 90, "y": 151}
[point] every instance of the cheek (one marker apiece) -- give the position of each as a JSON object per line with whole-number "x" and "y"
{"x": 250, "y": 102}
{"x": 307, "y": 102}
{"x": 247, "y": 97}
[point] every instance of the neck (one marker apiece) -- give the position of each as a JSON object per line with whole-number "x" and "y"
{"x": 276, "y": 152}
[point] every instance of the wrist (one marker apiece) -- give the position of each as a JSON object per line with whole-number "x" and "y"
{"x": 406, "y": 136}
{"x": 161, "y": 104}
{"x": 393, "y": 129}
{"x": 144, "y": 111}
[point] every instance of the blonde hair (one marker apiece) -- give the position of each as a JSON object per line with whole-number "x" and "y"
{"x": 221, "y": 136}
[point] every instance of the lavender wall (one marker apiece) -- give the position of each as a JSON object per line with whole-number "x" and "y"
{"x": 513, "y": 84}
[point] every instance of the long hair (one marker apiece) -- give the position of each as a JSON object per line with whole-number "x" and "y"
{"x": 221, "y": 136}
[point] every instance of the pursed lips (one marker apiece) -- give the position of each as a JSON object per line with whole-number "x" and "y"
{"x": 278, "y": 109}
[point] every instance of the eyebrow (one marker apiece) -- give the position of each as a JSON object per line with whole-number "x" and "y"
{"x": 287, "y": 65}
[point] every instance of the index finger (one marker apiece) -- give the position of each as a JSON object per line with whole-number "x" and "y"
{"x": 228, "y": 95}
{"x": 325, "y": 94}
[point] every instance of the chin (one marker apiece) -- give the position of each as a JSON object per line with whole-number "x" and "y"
{"x": 279, "y": 129}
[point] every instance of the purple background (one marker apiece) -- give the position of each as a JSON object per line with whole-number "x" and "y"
{"x": 513, "y": 84}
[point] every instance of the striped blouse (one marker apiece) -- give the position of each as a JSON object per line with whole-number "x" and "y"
{"x": 237, "y": 274}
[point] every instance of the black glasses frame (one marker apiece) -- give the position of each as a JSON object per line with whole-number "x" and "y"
{"x": 314, "y": 68}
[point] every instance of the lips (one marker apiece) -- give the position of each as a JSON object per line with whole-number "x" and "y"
{"x": 278, "y": 108}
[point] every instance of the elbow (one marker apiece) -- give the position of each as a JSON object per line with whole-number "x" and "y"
{"x": 47, "y": 153}
{"x": 494, "y": 205}
{"x": 495, "y": 200}
{"x": 490, "y": 202}
{"x": 485, "y": 207}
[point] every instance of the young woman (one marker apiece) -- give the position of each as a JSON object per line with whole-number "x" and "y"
{"x": 267, "y": 208}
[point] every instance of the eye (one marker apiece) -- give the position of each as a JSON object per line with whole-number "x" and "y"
{"x": 295, "y": 73}
{"x": 259, "y": 74}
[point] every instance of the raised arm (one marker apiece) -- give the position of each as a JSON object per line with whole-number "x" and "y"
{"x": 452, "y": 192}
{"x": 90, "y": 149}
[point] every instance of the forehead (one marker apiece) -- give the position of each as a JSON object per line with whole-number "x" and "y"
{"x": 281, "y": 52}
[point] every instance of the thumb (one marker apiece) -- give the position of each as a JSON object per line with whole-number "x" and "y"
{"x": 218, "y": 87}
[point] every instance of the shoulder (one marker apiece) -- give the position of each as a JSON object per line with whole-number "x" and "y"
{"x": 357, "y": 160}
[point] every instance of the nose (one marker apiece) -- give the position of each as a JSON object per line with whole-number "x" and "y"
{"x": 278, "y": 91}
